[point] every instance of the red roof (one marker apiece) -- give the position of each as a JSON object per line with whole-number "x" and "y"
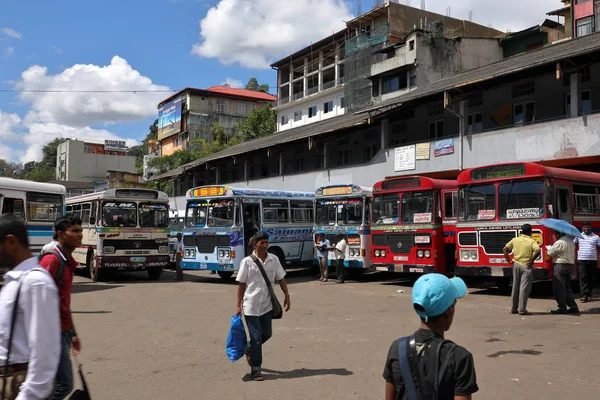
{"x": 242, "y": 93}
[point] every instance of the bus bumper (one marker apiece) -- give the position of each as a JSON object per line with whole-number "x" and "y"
{"x": 205, "y": 266}
{"x": 539, "y": 274}
{"x": 134, "y": 262}
{"x": 404, "y": 268}
{"x": 353, "y": 264}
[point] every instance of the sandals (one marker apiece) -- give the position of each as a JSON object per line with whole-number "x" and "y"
{"x": 257, "y": 375}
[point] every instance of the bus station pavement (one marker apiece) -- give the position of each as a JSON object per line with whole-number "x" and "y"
{"x": 164, "y": 339}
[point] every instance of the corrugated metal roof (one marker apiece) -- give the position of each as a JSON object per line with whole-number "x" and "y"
{"x": 241, "y": 93}
{"x": 520, "y": 62}
{"x": 290, "y": 135}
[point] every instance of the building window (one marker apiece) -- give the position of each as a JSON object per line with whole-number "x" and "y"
{"x": 297, "y": 116}
{"x": 312, "y": 111}
{"x": 474, "y": 123}
{"x": 476, "y": 100}
{"x": 435, "y": 109}
{"x": 413, "y": 80}
{"x": 376, "y": 88}
{"x": 175, "y": 142}
{"x": 284, "y": 120}
{"x": 343, "y": 156}
{"x": 411, "y": 45}
{"x": 300, "y": 164}
{"x": 320, "y": 160}
{"x": 586, "y": 102}
{"x": 394, "y": 83}
{"x": 88, "y": 149}
{"x": 586, "y": 74}
{"x": 523, "y": 89}
{"x": 436, "y": 129}
{"x": 327, "y": 107}
{"x": 585, "y": 26}
{"x": 342, "y": 103}
{"x": 219, "y": 105}
{"x": 524, "y": 113}
{"x": 370, "y": 151}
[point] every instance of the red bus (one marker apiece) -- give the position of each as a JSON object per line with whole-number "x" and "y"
{"x": 413, "y": 227}
{"x": 495, "y": 200}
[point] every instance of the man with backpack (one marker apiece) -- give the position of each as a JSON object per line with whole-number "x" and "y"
{"x": 61, "y": 265}
{"x": 425, "y": 365}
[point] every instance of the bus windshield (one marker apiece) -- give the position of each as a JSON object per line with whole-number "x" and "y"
{"x": 153, "y": 215}
{"x": 477, "y": 203}
{"x": 417, "y": 207}
{"x": 326, "y": 211}
{"x": 176, "y": 224}
{"x": 386, "y": 209}
{"x": 221, "y": 213}
{"x": 521, "y": 199}
{"x": 119, "y": 214}
{"x": 195, "y": 215}
{"x": 350, "y": 213}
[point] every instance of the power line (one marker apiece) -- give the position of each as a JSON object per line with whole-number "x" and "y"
{"x": 85, "y": 91}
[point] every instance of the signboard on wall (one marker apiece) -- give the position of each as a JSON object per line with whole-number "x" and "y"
{"x": 405, "y": 158}
{"x": 423, "y": 150}
{"x": 169, "y": 118}
{"x": 115, "y": 145}
{"x": 443, "y": 147}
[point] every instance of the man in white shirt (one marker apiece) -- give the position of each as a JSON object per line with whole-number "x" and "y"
{"x": 340, "y": 256}
{"x": 257, "y": 304}
{"x": 587, "y": 260}
{"x": 178, "y": 254}
{"x": 563, "y": 256}
{"x": 35, "y": 348}
{"x": 49, "y": 247}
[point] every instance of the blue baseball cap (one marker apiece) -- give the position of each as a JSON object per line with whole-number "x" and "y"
{"x": 433, "y": 294}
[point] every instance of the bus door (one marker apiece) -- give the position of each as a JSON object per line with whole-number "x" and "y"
{"x": 563, "y": 204}
{"x": 92, "y": 234}
{"x": 251, "y": 219}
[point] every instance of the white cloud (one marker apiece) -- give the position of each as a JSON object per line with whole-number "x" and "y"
{"x": 234, "y": 83}
{"x": 85, "y": 109}
{"x": 254, "y": 33}
{"x": 9, "y": 51}
{"x": 8, "y": 32}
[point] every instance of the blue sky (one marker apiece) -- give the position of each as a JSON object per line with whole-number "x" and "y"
{"x": 155, "y": 45}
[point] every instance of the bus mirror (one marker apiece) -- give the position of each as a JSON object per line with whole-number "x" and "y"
{"x": 92, "y": 221}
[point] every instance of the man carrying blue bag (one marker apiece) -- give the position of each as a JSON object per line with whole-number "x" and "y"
{"x": 236, "y": 340}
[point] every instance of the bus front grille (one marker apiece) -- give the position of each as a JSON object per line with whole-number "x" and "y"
{"x": 467, "y": 238}
{"x": 207, "y": 243}
{"x": 494, "y": 242}
{"x": 131, "y": 244}
{"x": 399, "y": 243}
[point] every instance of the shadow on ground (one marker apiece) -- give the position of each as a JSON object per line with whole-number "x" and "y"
{"x": 271, "y": 374}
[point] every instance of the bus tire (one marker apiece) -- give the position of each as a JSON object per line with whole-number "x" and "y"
{"x": 154, "y": 273}
{"x": 225, "y": 274}
{"x": 276, "y": 251}
{"x": 96, "y": 274}
{"x": 88, "y": 260}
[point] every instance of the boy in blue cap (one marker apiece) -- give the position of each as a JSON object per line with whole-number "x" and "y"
{"x": 425, "y": 365}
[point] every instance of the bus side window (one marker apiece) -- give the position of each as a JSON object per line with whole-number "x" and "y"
{"x": 14, "y": 206}
{"x": 85, "y": 213}
{"x": 450, "y": 205}
{"x": 94, "y": 213}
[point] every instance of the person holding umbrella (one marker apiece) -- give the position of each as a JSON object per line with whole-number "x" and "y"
{"x": 563, "y": 256}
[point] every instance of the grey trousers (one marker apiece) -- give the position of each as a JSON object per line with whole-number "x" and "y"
{"x": 561, "y": 283}
{"x": 522, "y": 283}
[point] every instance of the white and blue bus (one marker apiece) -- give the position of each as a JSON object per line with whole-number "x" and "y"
{"x": 220, "y": 220}
{"x": 346, "y": 210}
{"x": 38, "y": 204}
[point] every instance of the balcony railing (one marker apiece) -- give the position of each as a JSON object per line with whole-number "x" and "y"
{"x": 299, "y": 95}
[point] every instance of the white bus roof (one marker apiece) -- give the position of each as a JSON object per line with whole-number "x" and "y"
{"x": 20, "y": 184}
{"x": 228, "y": 191}
{"x": 121, "y": 194}
{"x": 343, "y": 190}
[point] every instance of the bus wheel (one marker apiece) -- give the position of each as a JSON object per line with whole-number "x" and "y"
{"x": 154, "y": 273}
{"x": 276, "y": 251}
{"x": 95, "y": 274}
{"x": 225, "y": 274}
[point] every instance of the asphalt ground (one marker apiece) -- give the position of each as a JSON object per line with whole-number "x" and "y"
{"x": 163, "y": 339}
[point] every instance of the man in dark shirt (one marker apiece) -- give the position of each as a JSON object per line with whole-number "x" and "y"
{"x": 434, "y": 299}
{"x": 69, "y": 232}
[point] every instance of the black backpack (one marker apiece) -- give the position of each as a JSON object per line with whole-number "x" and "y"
{"x": 58, "y": 279}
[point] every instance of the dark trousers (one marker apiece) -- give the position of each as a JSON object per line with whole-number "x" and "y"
{"x": 64, "y": 375}
{"x": 339, "y": 270}
{"x": 260, "y": 330}
{"x": 178, "y": 270}
{"x": 587, "y": 273}
{"x": 561, "y": 284}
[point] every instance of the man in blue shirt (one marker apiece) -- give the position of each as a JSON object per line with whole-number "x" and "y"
{"x": 587, "y": 260}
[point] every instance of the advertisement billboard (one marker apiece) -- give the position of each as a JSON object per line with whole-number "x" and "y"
{"x": 169, "y": 118}
{"x": 115, "y": 145}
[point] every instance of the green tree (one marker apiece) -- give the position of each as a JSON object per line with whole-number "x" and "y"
{"x": 258, "y": 123}
{"x": 256, "y": 87}
{"x": 11, "y": 169}
{"x": 141, "y": 150}
{"x": 49, "y": 154}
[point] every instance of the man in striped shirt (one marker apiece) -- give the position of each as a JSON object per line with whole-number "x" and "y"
{"x": 587, "y": 260}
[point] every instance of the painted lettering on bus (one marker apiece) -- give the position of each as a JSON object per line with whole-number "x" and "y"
{"x": 289, "y": 235}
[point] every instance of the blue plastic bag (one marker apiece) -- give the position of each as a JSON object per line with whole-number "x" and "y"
{"x": 236, "y": 340}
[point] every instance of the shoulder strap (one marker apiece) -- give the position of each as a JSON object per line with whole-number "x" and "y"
{"x": 403, "y": 359}
{"x": 262, "y": 271}
{"x": 61, "y": 268}
{"x": 10, "y": 339}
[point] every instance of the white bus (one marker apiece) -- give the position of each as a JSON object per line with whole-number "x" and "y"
{"x": 220, "y": 220}
{"x": 38, "y": 204}
{"x": 123, "y": 229}
{"x": 346, "y": 210}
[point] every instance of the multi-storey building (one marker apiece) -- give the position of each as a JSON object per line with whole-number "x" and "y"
{"x": 581, "y": 17}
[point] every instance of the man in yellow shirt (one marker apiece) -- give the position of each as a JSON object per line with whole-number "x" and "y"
{"x": 525, "y": 250}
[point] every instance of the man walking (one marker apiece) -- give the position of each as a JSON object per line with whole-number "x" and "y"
{"x": 563, "y": 256}
{"x": 35, "y": 327}
{"x": 525, "y": 250}
{"x": 425, "y": 365}
{"x": 323, "y": 255}
{"x": 256, "y": 297}
{"x": 340, "y": 256}
{"x": 61, "y": 265}
{"x": 178, "y": 254}
{"x": 587, "y": 260}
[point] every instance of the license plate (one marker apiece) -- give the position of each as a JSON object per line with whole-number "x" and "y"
{"x": 497, "y": 260}
{"x": 497, "y": 272}
{"x": 400, "y": 258}
{"x": 138, "y": 260}
{"x": 416, "y": 270}
{"x": 382, "y": 269}
{"x": 203, "y": 266}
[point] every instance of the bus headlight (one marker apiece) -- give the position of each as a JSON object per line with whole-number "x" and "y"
{"x": 221, "y": 253}
{"x": 377, "y": 253}
{"x": 224, "y": 253}
{"x": 108, "y": 249}
{"x": 420, "y": 253}
{"x": 189, "y": 253}
{"x": 163, "y": 249}
{"x": 427, "y": 253}
{"x": 468, "y": 255}
{"x": 383, "y": 253}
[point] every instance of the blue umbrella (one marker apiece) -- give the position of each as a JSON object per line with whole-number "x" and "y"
{"x": 561, "y": 226}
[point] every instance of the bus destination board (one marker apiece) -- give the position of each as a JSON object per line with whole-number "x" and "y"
{"x": 337, "y": 190}
{"x": 209, "y": 191}
{"x": 399, "y": 184}
{"x": 501, "y": 171}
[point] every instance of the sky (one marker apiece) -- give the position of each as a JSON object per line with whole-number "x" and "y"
{"x": 96, "y": 70}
